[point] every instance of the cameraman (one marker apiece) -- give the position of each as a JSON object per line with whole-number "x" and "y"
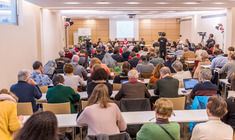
{"x": 162, "y": 43}
{"x": 210, "y": 40}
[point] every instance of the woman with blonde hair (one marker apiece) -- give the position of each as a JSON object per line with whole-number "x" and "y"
{"x": 8, "y": 114}
{"x": 162, "y": 129}
{"x": 101, "y": 115}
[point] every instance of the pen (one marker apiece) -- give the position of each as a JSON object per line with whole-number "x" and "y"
{"x": 152, "y": 119}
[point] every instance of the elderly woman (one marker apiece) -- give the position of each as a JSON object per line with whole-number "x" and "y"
{"x": 71, "y": 80}
{"x": 204, "y": 61}
{"x": 8, "y": 114}
{"x": 214, "y": 129}
{"x": 101, "y": 115}
{"x": 180, "y": 73}
{"x": 62, "y": 94}
{"x": 206, "y": 88}
{"x": 153, "y": 131}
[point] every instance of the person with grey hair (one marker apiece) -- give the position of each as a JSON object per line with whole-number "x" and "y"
{"x": 166, "y": 86}
{"x": 187, "y": 55}
{"x": 133, "y": 88}
{"x": 78, "y": 69}
{"x": 179, "y": 51}
{"x": 206, "y": 87}
{"x": 180, "y": 73}
{"x": 61, "y": 61}
{"x": 26, "y": 89}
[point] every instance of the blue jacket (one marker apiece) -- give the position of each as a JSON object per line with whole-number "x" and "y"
{"x": 26, "y": 92}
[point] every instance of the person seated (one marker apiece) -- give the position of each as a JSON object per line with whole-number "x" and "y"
{"x": 68, "y": 54}
{"x": 133, "y": 88}
{"x": 97, "y": 61}
{"x": 125, "y": 54}
{"x": 228, "y": 68}
{"x": 214, "y": 129}
{"x": 99, "y": 54}
{"x": 83, "y": 58}
{"x": 99, "y": 76}
{"x": 62, "y": 94}
{"x": 229, "y": 118}
{"x": 179, "y": 52}
{"x": 142, "y": 43}
{"x": 116, "y": 55}
{"x": 199, "y": 51}
{"x": 133, "y": 41}
{"x": 101, "y": 115}
{"x": 166, "y": 86}
{"x": 187, "y": 54}
{"x": 144, "y": 66}
{"x": 156, "y": 73}
{"x": 72, "y": 50}
{"x": 45, "y": 123}
{"x": 8, "y": 114}
{"x": 169, "y": 60}
{"x": 180, "y": 73}
{"x": 219, "y": 61}
{"x": 145, "y": 52}
{"x": 134, "y": 60}
{"x": 154, "y": 59}
{"x": 123, "y": 76}
{"x": 78, "y": 69}
{"x": 204, "y": 61}
{"x": 109, "y": 61}
{"x": 71, "y": 80}
{"x": 206, "y": 88}
{"x": 26, "y": 89}
{"x": 38, "y": 75}
{"x": 61, "y": 61}
{"x": 153, "y": 131}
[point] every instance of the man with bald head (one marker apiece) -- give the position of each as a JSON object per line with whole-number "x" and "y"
{"x": 167, "y": 86}
{"x": 133, "y": 88}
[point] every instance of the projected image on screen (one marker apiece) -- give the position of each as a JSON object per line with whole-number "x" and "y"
{"x": 125, "y": 29}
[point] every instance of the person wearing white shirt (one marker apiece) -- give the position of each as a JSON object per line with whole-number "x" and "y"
{"x": 214, "y": 129}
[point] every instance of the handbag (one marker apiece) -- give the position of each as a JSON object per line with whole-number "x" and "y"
{"x": 166, "y": 132}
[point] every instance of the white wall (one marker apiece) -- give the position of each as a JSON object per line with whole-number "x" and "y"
{"x": 186, "y": 28}
{"x": 21, "y": 45}
{"x": 199, "y": 24}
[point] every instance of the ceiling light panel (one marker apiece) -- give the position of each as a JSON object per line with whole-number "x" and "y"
{"x": 103, "y": 2}
{"x": 71, "y": 3}
{"x": 133, "y": 2}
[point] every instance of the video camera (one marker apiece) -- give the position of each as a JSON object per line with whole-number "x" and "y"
{"x": 202, "y": 33}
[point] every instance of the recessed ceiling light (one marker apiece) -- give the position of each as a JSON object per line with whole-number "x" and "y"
{"x": 103, "y": 2}
{"x": 191, "y": 3}
{"x": 72, "y": 3}
{"x": 132, "y": 2}
{"x": 218, "y": 3}
{"x": 161, "y": 2}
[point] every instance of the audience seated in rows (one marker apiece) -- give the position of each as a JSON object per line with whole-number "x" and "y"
{"x": 180, "y": 73}
{"x": 154, "y": 59}
{"x": 204, "y": 60}
{"x": 123, "y": 76}
{"x": 134, "y": 60}
{"x": 101, "y": 115}
{"x": 206, "y": 88}
{"x": 228, "y": 68}
{"x": 71, "y": 80}
{"x": 133, "y": 88}
{"x": 99, "y": 76}
{"x": 153, "y": 131}
{"x": 219, "y": 61}
{"x": 78, "y": 69}
{"x": 156, "y": 73}
{"x": 26, "y": 89}
{"x": 62, "y": 94}
{"x": 144, "y": 66}
{"x": 214, "y": 129}
{"x": 97, "y": 61}
{"x": 40, "y": 126}
{"x": 8, "y": 114}
{"x": 38, "y": 75}
{"x": 166, "y": 86}
{"x": 187, "y": 55}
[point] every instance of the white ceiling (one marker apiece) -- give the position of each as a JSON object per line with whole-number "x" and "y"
{"x": 142, "y": 8}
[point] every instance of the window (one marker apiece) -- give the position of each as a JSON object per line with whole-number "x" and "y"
{"x": 8, "y": 12}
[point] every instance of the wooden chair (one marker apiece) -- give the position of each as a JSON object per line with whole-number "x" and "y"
{"x": 84, "y": 104}
{"x": 116, "y": 87}
{"x": 43, "y": 89}
{"x": 145, "y": 75}
{"x": 178, "y": 102}
{"x": 57, "y": 108}
{"x": 24, "y": 108}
